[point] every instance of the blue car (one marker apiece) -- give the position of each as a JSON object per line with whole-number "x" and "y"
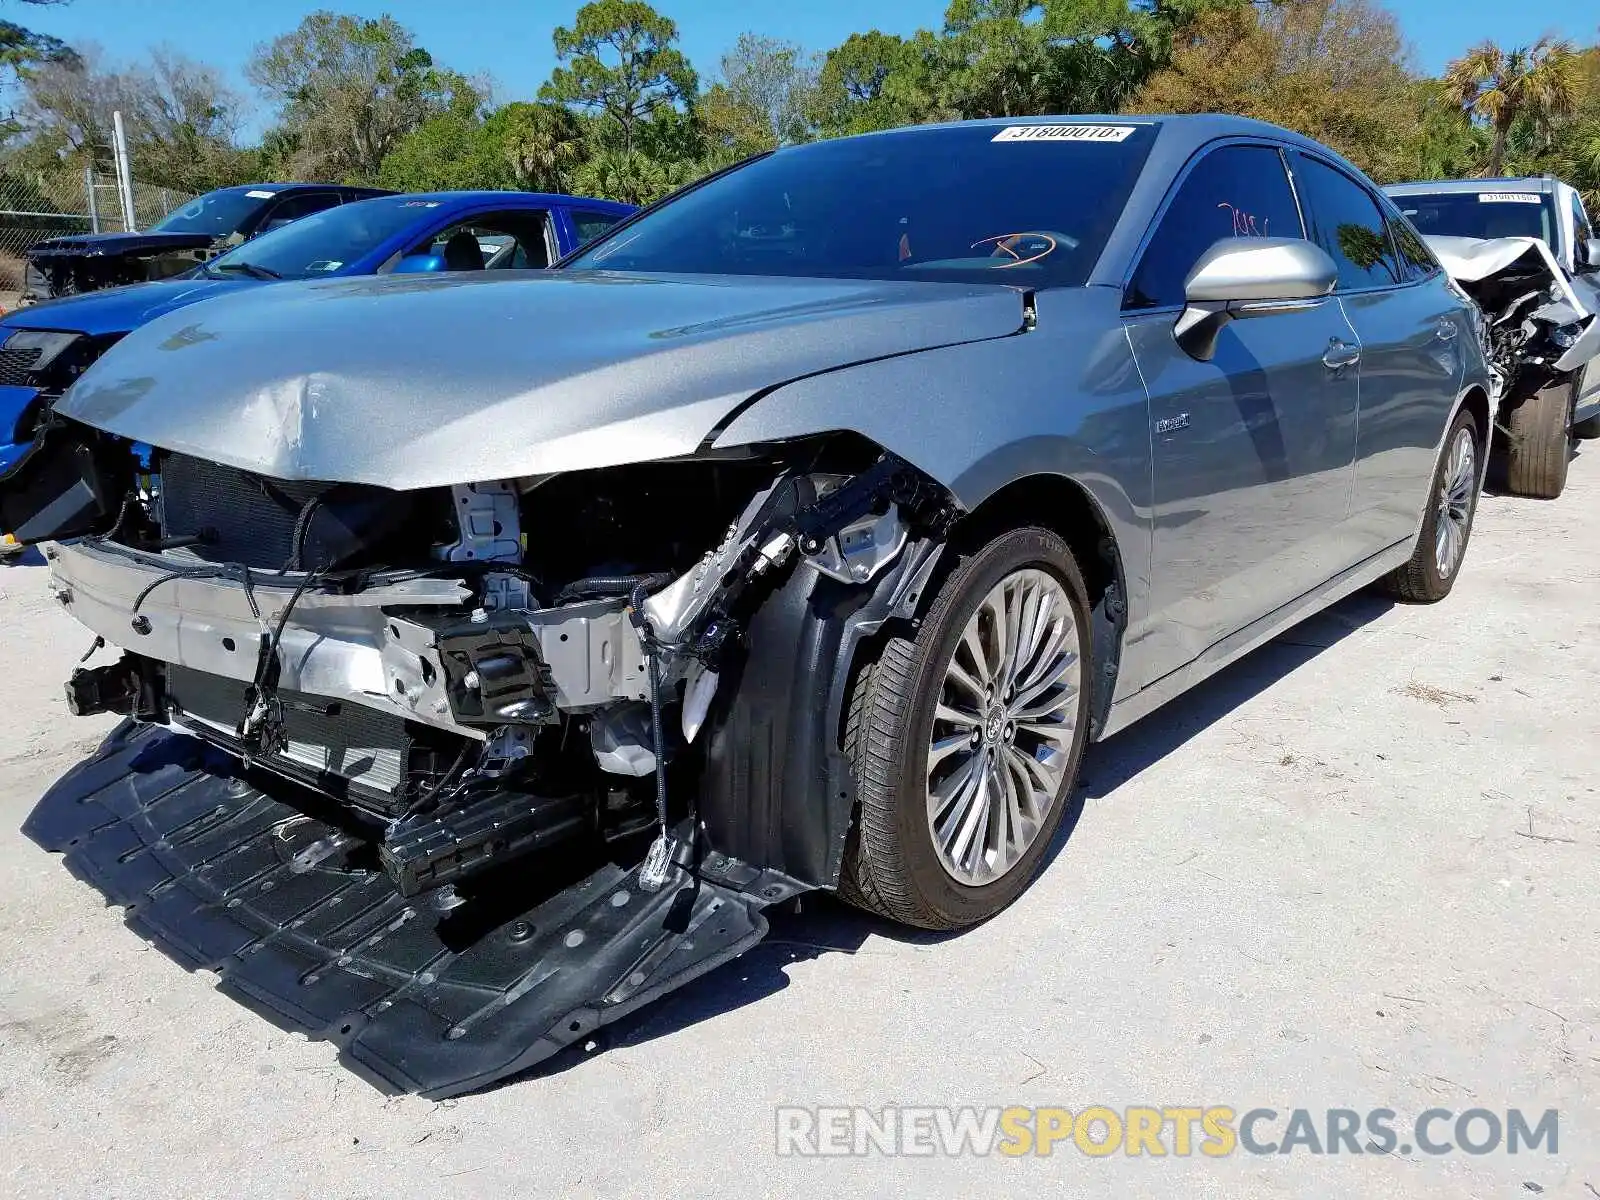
{"x": 43, "y": 348}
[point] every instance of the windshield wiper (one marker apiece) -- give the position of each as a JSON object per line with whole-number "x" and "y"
{"x": 254, "y": 270}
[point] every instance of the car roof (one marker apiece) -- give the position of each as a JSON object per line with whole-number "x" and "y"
{"x": 1180, "y": 134}
{"x": 292, "y": 186}
{"x": 500, "y": 196}
{"x": 1543, "y": 184}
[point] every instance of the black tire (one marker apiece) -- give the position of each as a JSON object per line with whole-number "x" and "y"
{"x": 892, "y": 866}
{"x": 1420, "y": 581}
{"x": 1539, "y": 442}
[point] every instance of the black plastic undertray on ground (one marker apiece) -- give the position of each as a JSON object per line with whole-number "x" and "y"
{"x": 302, "y": 927}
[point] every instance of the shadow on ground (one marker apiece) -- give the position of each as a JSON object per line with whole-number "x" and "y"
{"x": 824, "y": 925}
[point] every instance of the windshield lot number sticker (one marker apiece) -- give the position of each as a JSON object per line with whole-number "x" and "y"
{"x": 1507, "y": 198}
{"x": 1063, "y": 133}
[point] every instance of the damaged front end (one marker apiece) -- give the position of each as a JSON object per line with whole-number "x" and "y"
{"x": 70, "y": 266}
{"x": 595, "y": 709}
{"x": 1537, "y": 322}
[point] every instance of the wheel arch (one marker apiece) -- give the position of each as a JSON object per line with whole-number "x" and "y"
{"x": 1068, "y": 508}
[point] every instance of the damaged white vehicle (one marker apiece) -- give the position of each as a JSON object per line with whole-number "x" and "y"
{"x": 1524, "y": 250}
{"x": 497, "y": 650}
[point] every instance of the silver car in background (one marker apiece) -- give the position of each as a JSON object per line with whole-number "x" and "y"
{"x": 1525, "y": 251}
{"x": 800, "y": 533}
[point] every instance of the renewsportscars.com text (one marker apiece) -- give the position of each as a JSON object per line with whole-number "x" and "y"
{"x": 1214, "y": 1131}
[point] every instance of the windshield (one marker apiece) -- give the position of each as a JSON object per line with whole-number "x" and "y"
{"x": 1481, "y": 214}
{"x": 325, "y": 242}
{"x": 216, "y": 213}
{"x": 1024, "y": 204}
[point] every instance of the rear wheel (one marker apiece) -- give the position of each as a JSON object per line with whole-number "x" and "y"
{"x": 1539, "y": 442}
{"x": 1447, "y": 524}
{"x": 965, "y": 739}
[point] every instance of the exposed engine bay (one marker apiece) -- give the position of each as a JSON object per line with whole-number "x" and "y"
{"x": 477, "y": 671}
{"x": 68, "y": 266}
{"x": 1537, "y": 320}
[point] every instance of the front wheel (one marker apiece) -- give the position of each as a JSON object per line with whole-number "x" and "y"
{"x": 965, "y": 739}
{"x": 1539, "y": 442}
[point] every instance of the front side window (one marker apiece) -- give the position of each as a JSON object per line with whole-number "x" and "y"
{"x": 1235, "y": 191}
{"x": 1415, "y": 257}
{"x": 216, "y": 213}
{"x": 1030, "y": 205}
{"x": 590, "y": 225}
{"x": 1580, "y": 220}
{"x": 503, "y": 241}
{"x": 1346, "y": 222}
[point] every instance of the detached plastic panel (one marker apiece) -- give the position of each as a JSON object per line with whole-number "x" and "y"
{"x": 302, "y": 926}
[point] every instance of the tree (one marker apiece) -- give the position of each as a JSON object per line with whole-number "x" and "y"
{"x": 22, "y": 49}
{"x": 451, "y": 151}
{"x": 620, "y": 64}
{"x": 772, "y": 80}
{"x": 350, "y": 89}
{"x": 1334, "y": 70}
{"x": 181, "y": 119}
{"x": 1498, "y": 86}
{"x": 539, "y": 143}
{"x": 183, "y": 124}
{"x": 877, "y": 80}
{"x": 999, "y": 59}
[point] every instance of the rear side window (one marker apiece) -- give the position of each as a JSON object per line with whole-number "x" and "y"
{"x": 296, "y": 207}
{"x": 1415, "y": 257}
{"x": 588, "y": 225}
{"x": 1235, "y": 191}
{"x": 1346, "y": 222}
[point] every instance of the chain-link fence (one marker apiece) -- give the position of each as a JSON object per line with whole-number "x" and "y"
{"x": 37, "y": 205}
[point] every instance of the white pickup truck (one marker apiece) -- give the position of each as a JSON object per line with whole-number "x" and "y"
{"x": 1525, "y": 250}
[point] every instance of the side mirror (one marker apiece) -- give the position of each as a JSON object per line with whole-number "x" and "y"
{"x": 1242, "y": 277}
{"x": 1589, "y": 254}
{"x": 419, "y": 264}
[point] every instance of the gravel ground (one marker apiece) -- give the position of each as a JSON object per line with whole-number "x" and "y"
{"x": 1357, "y": 870}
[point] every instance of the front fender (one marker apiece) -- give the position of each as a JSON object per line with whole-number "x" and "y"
{"x": 1064, "y": 398}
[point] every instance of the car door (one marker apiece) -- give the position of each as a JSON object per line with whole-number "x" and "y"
{"x": 1251, "y": 450}
{"x": 1411, "y": 328}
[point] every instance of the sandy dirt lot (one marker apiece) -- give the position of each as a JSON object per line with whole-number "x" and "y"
{"x": 1357, "y": 870}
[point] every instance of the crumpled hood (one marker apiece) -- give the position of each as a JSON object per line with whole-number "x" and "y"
{"x": 117, "y": 310}
{"x": 100, "y": 245}
{"x": 421, "y": 381}
{"x": 1471, "y": 260}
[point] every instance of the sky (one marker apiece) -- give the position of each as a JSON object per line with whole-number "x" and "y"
{"x": 509, "y": 40}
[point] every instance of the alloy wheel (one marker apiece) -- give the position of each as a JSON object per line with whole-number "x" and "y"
{"x": 1455, "y": 504}
{"x": 1002, "y": 736}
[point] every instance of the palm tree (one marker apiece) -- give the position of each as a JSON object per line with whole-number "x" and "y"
{"x": 541, "y": 142}
{"x": 1497, "y": 86}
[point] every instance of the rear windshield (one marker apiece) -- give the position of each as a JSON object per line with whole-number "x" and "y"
{"x": 216, "y": 213}
{"x": 329, "y": 240}
{"x": 1024, "y": 204}
{"x": 1507, "y": 213}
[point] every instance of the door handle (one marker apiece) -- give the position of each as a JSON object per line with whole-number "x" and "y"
{"x": 1340, "y": 355}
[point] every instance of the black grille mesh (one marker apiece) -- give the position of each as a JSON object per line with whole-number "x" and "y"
{"x": 15, "y": 365}
{"x": 251, "y": 520}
